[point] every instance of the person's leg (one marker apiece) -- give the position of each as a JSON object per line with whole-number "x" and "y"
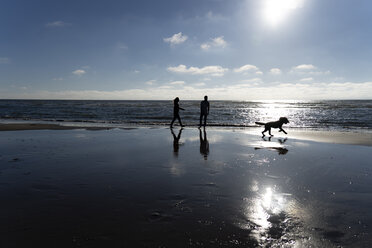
{"x": 174, "y": 118}
{"x": 179, "y": 120}
{"x": 201, "y": 117}
{"x": 205, "y": 120}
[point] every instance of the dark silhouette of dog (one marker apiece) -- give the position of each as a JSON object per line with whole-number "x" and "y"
{"x": 273, "y": 124}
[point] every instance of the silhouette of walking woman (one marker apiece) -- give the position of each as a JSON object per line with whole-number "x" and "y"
{"x": 176, "y": 114}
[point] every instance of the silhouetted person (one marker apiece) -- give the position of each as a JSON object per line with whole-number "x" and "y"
{"x": 176, "y": 140}
{"x": 176, "y": 112}
{"x": 204, "y": 111}
{"x": 204, "y": 144}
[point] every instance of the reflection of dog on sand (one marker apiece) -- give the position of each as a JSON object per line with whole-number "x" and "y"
{"x": 280, "y": 150}
{"x": 274, "y": 124}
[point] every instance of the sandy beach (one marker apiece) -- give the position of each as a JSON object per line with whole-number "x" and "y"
{"x": 156, "y": 187}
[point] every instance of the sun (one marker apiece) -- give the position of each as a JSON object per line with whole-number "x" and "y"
{"x": 276, "y": 11}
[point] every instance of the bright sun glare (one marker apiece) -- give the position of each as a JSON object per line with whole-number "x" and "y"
{"x": 275, "y": 11}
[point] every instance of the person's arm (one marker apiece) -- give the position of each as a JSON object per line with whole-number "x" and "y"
{"x": 208, "y": 109}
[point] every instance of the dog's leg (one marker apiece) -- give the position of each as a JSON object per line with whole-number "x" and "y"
{"x": 282, "y": 130}
{"x": 263, "y": 132}
{"x": 270, "y": 132}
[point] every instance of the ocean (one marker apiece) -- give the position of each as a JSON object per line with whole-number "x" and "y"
{"x": 342, "y": 115}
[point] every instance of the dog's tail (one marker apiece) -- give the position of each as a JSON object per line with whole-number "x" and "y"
{"x": 260, "y": 123}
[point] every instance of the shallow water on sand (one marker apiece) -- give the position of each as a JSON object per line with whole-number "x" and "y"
{"x": 154, "y": 188}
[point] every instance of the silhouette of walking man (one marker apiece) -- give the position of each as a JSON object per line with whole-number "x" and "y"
{"x": 204, "y": 111}
{"x": 176, "y": 112}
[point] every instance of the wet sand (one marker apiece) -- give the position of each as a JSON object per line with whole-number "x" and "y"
{"x": 150, "y": 187}
{"x": 42, "y": 126}
{"x": 337, "y": 137}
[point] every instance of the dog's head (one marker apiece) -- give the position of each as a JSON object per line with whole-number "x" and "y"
{"x": 284, "y": 120}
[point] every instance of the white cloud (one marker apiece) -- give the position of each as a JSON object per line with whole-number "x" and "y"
{"x": 79, "y": 72}
{"x": 215, "y": 42}
{"x": 338, "y": 79}
{"x": 164, "y": 87}
{"x": 200, "y": 84}
{"x": 177, "y": 83}
{"x": 304, "y": 67}
{"x": 213, "y": 70}
{"x": 58, "y": 79}
{"x": 252, "y": 80}
{"x": 249, "y": 91}
{"x": 309, "y": 79}
{"x": 308, "y": 69}
{"x": 57, "y": 24}
{"x": 275, "y": 71}
{"x": 245, "y": 68}
{"x": 4, "y": 60}
{"x": 176, "y": 39}
{"x": 151, "y": 82}
{"x": 205, "y": 46}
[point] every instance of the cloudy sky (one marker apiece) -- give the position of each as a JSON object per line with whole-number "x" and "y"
{"x": 146, "y": 49}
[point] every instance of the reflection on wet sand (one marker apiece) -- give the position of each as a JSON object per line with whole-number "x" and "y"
{"x": 270, "y": 214}
{"x": 176, "y": 141}
{"x": 280, "y": 150}
{"x": 57, "y": 185}
{"x": 204, "y": 144}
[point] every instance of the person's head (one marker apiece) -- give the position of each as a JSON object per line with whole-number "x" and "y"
{"x": 176, "y": 99}
{"x": 206, "y": 98}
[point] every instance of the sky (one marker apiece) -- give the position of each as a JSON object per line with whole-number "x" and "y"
{"x": 157, "y": 50}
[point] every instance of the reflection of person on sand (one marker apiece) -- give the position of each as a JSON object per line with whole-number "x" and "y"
{"x": 176, "y": 112}
{"x": 204, "y": 144}
{"x": 176, "y": 140}
{"x": 204, "y": 111}
{"x": 280, "y": 150}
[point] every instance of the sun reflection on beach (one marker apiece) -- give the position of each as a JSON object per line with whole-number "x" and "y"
{"x": 265, "y": 205}
{"x": 269, "y": 217}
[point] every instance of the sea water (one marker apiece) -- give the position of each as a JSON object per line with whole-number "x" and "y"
{"x": 336, "y": 114}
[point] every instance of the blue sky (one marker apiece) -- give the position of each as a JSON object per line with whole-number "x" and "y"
{"x": 145, "y": 49}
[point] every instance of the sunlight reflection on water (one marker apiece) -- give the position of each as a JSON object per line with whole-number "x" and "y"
{"x": 271, "y": 214}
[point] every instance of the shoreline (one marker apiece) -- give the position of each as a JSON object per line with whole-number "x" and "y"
{"x": 323, "y": 136}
